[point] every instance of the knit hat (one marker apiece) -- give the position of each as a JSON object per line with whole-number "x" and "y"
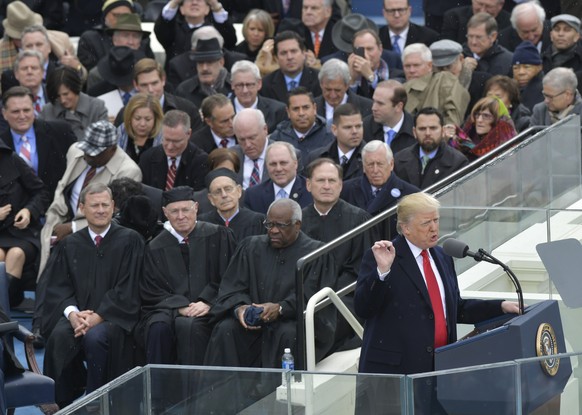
{"x": 99, "y": 136}
{"x": 108, "y": 5}
{"x": 526, "y": 54}
{"x": 18, "y": 18}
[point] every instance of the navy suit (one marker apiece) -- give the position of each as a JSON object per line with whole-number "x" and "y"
{"x": 399, "y": 331}
{"x": 275, "y": 87}
{"x": 260, "y": 197}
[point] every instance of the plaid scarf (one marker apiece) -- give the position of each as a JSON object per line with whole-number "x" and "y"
{"x": 8, "y": 53}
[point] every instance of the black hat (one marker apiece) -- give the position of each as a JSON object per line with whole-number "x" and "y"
{"x": 207, "y": 50}
{"x": 344, "y": 30}
{"x": 117, "y": 67}
{"x": 177, "y": 194}
{"x": 526, "y": 54}
{"x": 220, "y": 172}
{"x": 292, "y": 24}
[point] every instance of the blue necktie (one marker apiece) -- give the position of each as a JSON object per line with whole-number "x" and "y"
{"x": 395, "y": 46}
{"x": 282, "y": 194}
{"x": 390, "y": 136}
{"x": 126, "y": 98}
{"x": 292, "y": 85}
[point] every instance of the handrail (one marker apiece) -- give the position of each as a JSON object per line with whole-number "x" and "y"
{"x": 330, "y": 294}
{"x": 300, "y": 358}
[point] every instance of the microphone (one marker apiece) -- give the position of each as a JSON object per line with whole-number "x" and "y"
{"x": 458, "y": 249}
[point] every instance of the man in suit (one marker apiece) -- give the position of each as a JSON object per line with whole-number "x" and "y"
{"x": 316, "y": 17}
{"x": 410, "y": 286}
{"x": 177, "y": 162}
{"x": 290, "y": 50}
{"x": 455, "y": 20}
{"x": 399, "y": 30}
{"x": 149, "y": 78}
{"x": 346, "y": 150}
{"x": 211, "y": 77}
{"x": 334, "y": 79}
{"x": 251, "y": 133}
{"x": 246, "y": 82}
{"x": 482, "y": 45}
{"x": 369, "y": 70}
{"x": 528, "y": 22}
{"x": 431, "y": 159}
{"x": 284, "y": 182}
{"x": 379, "y": 188}
{"x": 389, "y": 121}
{"x": 49, "y": 140}
{"x": 217, "y": 113}
{"x": 29, "y": 72}
{"x": 96, "y": 159}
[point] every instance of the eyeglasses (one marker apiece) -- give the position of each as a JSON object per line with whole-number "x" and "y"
{"x": 183, "y": 211}
{"x": 394, "y": 11}
{"x": 270, "y": 225}
{"x": 226, "y": 189}
{"x": 241, "y": 87}
{"x": 485, "y": 115}
{"x": 551, "y": 97}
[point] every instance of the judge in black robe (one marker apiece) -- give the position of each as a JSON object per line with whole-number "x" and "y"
{"x": 224, "y": 194}
{"x": 262, "y": 272}
{"x": 328, "y": 218}
{"x": 178, "y": 274}
{"x": 103, "y": 279}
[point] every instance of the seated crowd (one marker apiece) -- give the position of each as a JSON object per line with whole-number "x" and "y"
{"x": 163, "y": 206}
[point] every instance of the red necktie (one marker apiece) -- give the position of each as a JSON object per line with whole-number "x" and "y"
{"x": 98, "y": 239}
{"x": 171, "y": 176}
{"x": 25, "y": 150}
{"x": 186, "y": 241}
{"x": 316, "y": 44}
{"x": 37, "y": 104}
{"x": 440, "y": 323}
{"x": 224, "y": 143}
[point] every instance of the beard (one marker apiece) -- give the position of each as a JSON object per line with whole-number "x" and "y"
{"x": 429, "y": 146}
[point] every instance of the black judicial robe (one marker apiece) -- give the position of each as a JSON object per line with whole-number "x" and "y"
{"x": 259, "y": 273}
{"x": 245, "y": 223}
{"x": 168, "y": 285}
{"x": 342, "y": 218}
{"x": 104, "y": 280}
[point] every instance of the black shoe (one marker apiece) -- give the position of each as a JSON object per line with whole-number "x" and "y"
{"x": 38, "y": 342}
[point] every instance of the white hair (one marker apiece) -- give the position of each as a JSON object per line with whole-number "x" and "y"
{"x": 420, "y": 48}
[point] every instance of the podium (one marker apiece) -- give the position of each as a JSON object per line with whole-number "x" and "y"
{"x": 487, "y": 391}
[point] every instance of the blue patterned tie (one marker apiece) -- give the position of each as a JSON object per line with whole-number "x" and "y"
{"x": 395, "y": 46}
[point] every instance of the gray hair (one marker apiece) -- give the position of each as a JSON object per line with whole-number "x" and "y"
{"x": 175, "y": 118}
{"x": 285, "y": 144}
{"x": 335, "y": 69}
{"x": 245, "y": 66}
{"x": 93, "y": 188}
{"x": 561, "y": 78}
{"x": 36, "y": 28}
{"x": 28, "y": 53}
{"x": 420, "y": 48}
{"x": 205, "y": 33}
{"x": 259, "y": 117}
{"x": 374, "y": 146}
{"x": 525, "y": 8}
{"x": 296, "y": 214}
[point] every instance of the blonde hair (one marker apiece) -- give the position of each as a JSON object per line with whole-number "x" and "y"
{"x": 142, "y": 100}
{"x": 413, "y": 204}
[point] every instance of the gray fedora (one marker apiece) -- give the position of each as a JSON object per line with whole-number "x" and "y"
{"x": 344, "y": 30}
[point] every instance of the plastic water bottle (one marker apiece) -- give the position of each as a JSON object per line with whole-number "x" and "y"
{"x": 287, "y": 363}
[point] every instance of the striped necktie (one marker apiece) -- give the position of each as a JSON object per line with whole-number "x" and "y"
{"x": 255, "y": 174}
{"x": 395, "y": 45}
{"x": 171, "y": 176}
{"x": 25, "y": 150}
